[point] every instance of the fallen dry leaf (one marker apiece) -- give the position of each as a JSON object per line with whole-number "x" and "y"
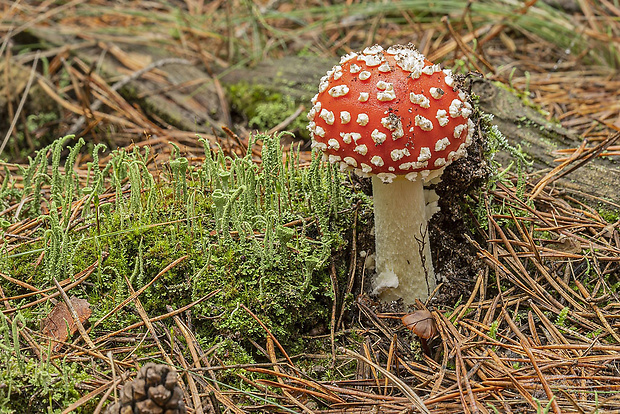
{"x": 567, "y": 244}
{"x": 59, "y": 324}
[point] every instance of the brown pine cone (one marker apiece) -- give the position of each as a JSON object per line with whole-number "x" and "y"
{"x": 154, "y": 391}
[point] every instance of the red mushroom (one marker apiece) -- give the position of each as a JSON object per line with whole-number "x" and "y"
{"x": 399, "y": 118}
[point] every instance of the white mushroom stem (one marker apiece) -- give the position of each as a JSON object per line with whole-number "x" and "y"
{"x": 403, "y": 257}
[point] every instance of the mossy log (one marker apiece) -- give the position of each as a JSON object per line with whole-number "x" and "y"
{"x": 183, "y": 95}
{"x": 525, "y": 126}
{"x": 521, "y": 124}
{"x": 182, "y": 99}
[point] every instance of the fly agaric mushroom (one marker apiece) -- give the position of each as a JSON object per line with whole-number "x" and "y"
{"x": 393, "y": 115}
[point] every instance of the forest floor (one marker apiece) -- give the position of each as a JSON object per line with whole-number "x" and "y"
{"x": 182, "y": 219}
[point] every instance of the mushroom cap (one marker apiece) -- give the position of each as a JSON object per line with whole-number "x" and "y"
{"x": 421, "y": 323}
{"x": 390, "y": 112}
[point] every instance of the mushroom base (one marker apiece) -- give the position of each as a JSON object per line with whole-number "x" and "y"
{"x": 403, "y": 257}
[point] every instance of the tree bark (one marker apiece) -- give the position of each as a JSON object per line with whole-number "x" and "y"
{"x": 524, "y": 126}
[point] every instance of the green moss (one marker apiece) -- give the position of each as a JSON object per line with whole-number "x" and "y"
{"x": 610, "y": 216}
{"x": 522, "y": 95}
{"x": 494, "y": 141}
{"x": 265, "y": 108}
{"x": 228, "y": 217}
{"x": 29, "y": 386}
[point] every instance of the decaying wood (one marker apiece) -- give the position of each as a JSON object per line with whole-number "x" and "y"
{"x": 525, "y": 126}
{"x": 293, "y": 76}
{"x": 181, "y": 95}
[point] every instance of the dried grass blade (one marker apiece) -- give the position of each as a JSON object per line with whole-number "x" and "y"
{"x": 468, "y": 51}
{"x": 474, "y": 291}
{"x": 77, "y": 110}
{"x": 190, "y": 340}
{"x": 288, "y": 120}
{"x": 597, "y": 310}
{"x": 492, "y": 261}
{"x": 194, "y": 395}
{"x": 453, "y": 395}
{"x": 74, "y": 315}
{"x": 86, "y": 398}
{"x": 21, "y": 103}
{"x": 375, "y": 377}
{"x": 458, "y": 373}
{"x": 551, "y": 328}
{"x": 147, "y": 321}
{"x": 390, "y": 360}
{"x": 300, "y": 390}
{"x": 365, "y": 396}
{"x": 445, "y": 339}
{"x": 452, "y": 45}
{"x": 517, "y": 384}
{"x": 273, "y": 338}
{"x": 139, "y": 291}
{"x": 585, "y": 155}
{"x": 272, "y": 356}
{"x": 528, "y": 351}
{"x": 409, "y": 393}
{"x": 157, "y": 318}
{"x": 79, "y": 278}
{"x": 308, "y": 383}
{"x": 22, "y": 284}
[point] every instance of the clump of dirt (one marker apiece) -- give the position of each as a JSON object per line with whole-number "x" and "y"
{"x": 454, "y": 257}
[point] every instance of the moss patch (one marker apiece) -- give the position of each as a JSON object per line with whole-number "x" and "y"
{"x": 265, "y": 108}
{"x": 248, "y": 236}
